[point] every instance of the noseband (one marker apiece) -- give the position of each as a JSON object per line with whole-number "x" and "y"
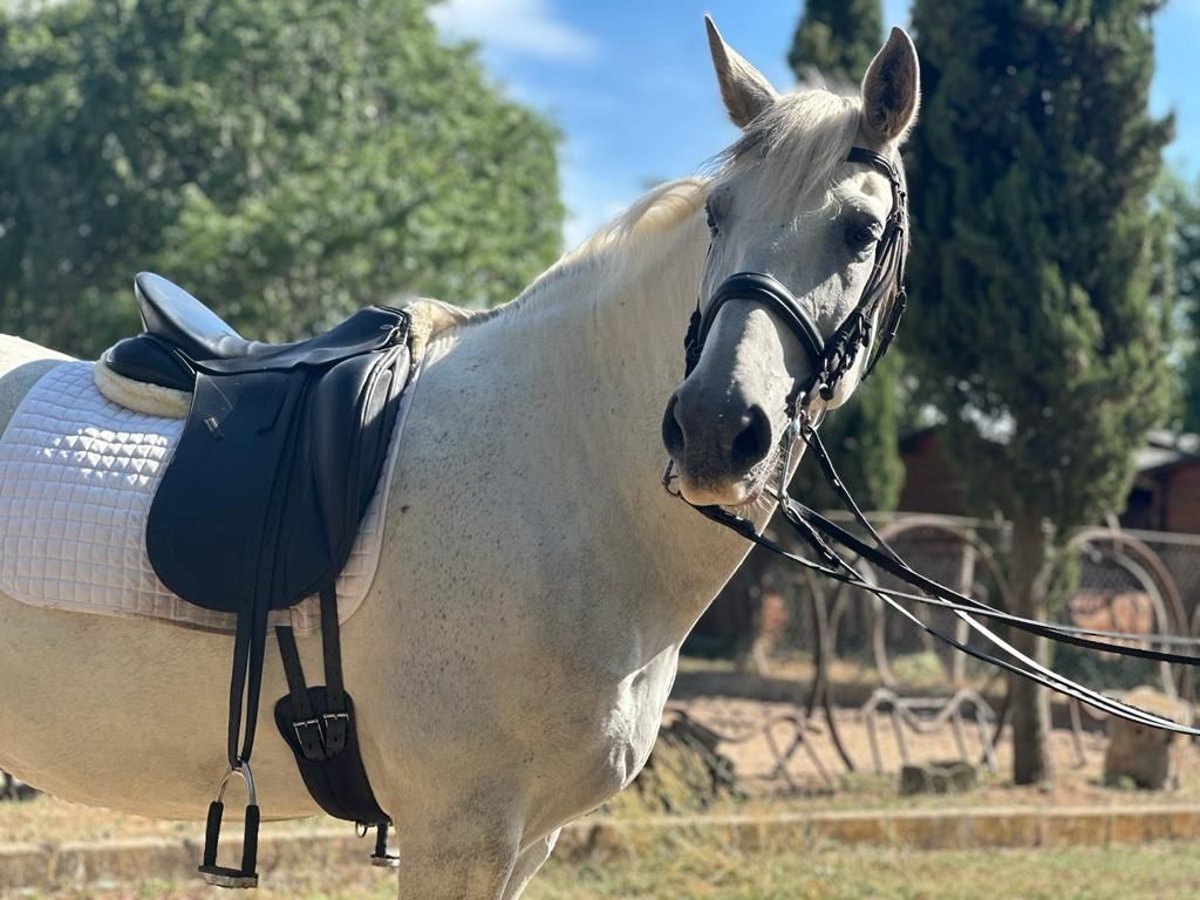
{"x": 832, "y": 357}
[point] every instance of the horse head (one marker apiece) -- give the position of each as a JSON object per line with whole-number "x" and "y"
{"x": 807, "y": 216}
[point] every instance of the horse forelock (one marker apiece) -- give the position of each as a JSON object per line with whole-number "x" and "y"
{"x": 797, "y": 145}
{"x": 799, "y": 142}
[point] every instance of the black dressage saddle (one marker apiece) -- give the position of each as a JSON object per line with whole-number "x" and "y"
{"x": 259, "y": 507}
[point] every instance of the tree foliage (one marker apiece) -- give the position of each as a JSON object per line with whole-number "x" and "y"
{"x": 1035, "y": 322}
{"x": 1181, "y": 203}
{"x": 839, "y": 39}
{"x": 287, "y": 160}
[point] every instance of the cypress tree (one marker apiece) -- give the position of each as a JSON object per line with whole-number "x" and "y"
{"x": 838, "y": 38}
{"x": 1035, "y": 328}
{"x": 1182, "y": 206}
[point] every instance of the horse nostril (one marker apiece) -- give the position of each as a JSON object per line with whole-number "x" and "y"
{"x": 753, "y": 442}
{"x": 672, "y": 431}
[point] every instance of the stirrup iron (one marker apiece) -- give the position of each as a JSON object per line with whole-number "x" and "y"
{"x": 227, "y": 876}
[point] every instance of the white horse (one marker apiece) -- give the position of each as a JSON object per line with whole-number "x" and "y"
{"x": 511, "y": 661}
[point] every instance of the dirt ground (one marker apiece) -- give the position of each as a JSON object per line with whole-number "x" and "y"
{"x": 1078, "y": 763}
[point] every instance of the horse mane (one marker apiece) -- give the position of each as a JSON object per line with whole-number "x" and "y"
{"x": 654, "y": 214}
{"x": 803, "y": 138}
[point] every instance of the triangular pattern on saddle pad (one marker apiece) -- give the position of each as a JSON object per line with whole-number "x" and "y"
{"x": 77, "y": 475}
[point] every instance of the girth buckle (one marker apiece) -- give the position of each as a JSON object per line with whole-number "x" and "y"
{"x": 312, "y": 738}
{"x": 334, "y": 725}
{"x": 324, "y": 736}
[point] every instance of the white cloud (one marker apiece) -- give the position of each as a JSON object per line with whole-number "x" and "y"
{"x": 523, "y": 27}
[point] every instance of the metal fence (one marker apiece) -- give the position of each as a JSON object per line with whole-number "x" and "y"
{"x": 1137, "y": 582}
{"x": 1129, "y": 581}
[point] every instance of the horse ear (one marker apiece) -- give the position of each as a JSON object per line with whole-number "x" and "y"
{"x": 891, "y": 89}
{"x": 743, "y": 88}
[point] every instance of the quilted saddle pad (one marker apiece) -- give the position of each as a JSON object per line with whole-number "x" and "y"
{"x": 77, "y": 475}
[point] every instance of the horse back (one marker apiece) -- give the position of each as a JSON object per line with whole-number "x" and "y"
{"x": 22, "y": 363}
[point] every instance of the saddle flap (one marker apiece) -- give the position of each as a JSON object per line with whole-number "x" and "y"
{"x": 260, "y": 506}
{"x": 211, "y": 514}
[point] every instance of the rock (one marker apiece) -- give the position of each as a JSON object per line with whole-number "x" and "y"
{"x": 954, "y": 777}
{"x": 1142, "y": 755}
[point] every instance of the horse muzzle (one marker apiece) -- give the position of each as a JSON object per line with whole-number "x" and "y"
{"x": 720, "y": 445}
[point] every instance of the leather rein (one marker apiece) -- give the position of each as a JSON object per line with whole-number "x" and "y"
{"x": 833, "y": 358}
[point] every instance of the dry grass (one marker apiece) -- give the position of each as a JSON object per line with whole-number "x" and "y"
{"x": 683, "y": 867}
{"x": 831, "y": 872}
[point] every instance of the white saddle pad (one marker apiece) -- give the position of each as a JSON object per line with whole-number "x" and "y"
{"x": 77, "y": 475}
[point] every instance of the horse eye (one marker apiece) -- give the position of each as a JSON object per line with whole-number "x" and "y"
{"x": 860, "y": 237}
{"x": 712, "y": 220}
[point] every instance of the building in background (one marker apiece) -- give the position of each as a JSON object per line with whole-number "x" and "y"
{"x": 1165, "y": 495}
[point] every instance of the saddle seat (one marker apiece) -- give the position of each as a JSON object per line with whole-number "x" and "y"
{"x": 181, "y": 335}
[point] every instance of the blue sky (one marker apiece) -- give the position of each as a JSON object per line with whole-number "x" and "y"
{"x": 630, "y": 85}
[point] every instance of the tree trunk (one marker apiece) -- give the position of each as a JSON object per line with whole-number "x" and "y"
{"x": 1029, "y": 702}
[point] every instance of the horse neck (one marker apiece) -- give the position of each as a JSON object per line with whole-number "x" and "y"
{"x": 596, "y": 353}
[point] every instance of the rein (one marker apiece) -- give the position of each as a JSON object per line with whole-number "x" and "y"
{"x": 833, "y": 358}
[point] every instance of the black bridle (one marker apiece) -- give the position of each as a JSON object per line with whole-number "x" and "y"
{"x": 832, "y": 358}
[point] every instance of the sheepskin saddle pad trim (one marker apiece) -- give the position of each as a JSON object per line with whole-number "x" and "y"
{"x": 77, "y": 476}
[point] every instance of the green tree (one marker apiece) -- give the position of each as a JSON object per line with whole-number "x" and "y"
{"x": 1034, "y": 321}
{"x": 287, "y": 160}
{"x": 839, "y": 39}
{"x": 1181, "y": 203}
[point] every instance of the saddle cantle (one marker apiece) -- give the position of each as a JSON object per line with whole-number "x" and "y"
{"x": 182, "y": 335}
{"x": 259, "y": 508}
